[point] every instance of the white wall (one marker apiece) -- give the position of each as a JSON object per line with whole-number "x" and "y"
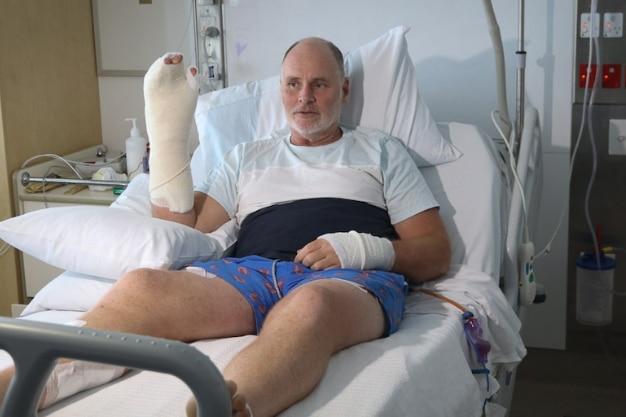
{"x": 452, "y": 50}
{"x": 122, "y": 97}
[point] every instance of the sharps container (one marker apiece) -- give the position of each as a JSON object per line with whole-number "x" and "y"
{"x": 594, "y": 289}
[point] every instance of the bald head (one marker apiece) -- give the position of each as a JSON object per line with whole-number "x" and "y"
{"x": 319, "y": 43}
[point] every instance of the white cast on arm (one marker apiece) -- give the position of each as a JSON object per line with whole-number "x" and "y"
{"x": 361, "y": 250}
{"x": 170, "y": 93}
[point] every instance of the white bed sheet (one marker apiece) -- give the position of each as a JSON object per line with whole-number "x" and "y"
{"x": 473, "y": 195}
{"x": 424, "y": 369}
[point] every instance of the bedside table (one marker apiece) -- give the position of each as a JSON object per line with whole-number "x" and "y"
{"x": 35, "y": 273}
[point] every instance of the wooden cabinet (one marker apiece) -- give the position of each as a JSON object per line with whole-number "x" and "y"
{"x": 49, "y": 98}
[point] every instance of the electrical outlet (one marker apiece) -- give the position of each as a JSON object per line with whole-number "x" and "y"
{"x": 617, "y": 137}
{"x": 613, "y": 23}
{"x": 585, "y": 25}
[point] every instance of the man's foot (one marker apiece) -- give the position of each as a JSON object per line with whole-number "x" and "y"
{"x": 239, "y": 406}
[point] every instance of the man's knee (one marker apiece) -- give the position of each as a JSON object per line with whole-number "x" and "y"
{"x": 137, "y": 283}
{"x": 141, "y": 277}
{"x": 310, "y": 306}
{"x": 330, "y": 310}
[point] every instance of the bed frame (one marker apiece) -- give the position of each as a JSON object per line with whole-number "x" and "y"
{"x": 530, "y": 172}
{"x": 35, "y": 348}
{"x": 529, "y": 167}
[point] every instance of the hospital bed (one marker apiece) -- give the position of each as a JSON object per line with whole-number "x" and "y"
{"x": 430, "y": 367}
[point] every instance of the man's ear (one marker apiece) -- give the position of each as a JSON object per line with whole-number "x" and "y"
{"x": 345, "y": 89}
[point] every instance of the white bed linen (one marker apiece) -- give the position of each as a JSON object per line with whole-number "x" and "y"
{"x": 473, "y": 195}
{"x": 421, "y": 370}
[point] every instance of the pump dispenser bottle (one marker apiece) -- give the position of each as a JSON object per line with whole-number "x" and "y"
{"x": 136, "y": 150}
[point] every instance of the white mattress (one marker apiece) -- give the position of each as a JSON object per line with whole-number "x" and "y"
{"x": 423, "y": 369}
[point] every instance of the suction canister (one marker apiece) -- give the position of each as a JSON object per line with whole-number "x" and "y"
{"x": 594, "y": 289}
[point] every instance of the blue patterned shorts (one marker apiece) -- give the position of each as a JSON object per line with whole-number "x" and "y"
{"x": 264, "y": 281}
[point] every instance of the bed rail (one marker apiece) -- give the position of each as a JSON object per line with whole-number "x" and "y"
{"x": 35, "y": 348}
{"x": 530, "y": 171}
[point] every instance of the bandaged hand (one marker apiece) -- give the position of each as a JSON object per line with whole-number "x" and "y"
{"x": 170, "y": 93}
{"x": 361, "y": 250}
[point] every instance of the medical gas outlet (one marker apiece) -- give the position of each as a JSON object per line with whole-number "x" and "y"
{"x": 612, "y": 26}
{"x": 210, "y": 45}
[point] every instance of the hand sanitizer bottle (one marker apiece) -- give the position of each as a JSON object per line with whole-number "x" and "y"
{"x": 136, "y": 150}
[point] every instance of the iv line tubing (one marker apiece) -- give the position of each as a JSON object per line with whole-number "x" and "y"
{"x": 587, "y": 106}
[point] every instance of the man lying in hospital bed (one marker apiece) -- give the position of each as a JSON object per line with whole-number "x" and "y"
{"x": 344, "y": 206}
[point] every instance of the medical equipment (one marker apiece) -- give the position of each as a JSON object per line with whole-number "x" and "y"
{"x": 595, "y": 168}
{"x": 471, "y": 327}
{"x": 210, "y": 45}
{"x": 594, "y": 289}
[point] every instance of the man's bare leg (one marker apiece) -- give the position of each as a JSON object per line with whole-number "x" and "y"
{"x": 177, "y": 305}
{"x": 299, "y": 336}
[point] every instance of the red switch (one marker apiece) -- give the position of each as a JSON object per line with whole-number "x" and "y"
{"x": 611, "y": 76}
{"x": 582, "y": 76}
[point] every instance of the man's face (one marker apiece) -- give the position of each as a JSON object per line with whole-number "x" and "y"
{"x": 312, "y": 92}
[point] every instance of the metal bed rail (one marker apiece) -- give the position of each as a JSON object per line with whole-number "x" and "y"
{"x": 36, "y": 347}
{"x": 530, "y": 171}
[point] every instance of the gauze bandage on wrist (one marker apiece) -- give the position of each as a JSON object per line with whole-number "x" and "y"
{"x": 361, "y": 250}
{"x": 170, "y": 93}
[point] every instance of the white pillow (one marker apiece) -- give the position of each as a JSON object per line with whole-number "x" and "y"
{"x": 107, "y": 242}
{"x": 384, "y": 95}
{"x": 136, "y": 196}
{"x": 69, "y": 291}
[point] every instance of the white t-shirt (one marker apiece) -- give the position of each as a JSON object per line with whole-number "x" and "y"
{"x": 365, "y": 165}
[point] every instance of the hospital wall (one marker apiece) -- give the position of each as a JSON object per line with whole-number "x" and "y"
{"x": 452, "y": 50}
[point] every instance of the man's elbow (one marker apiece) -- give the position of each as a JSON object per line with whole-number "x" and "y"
{"x": 446, "y": 256}
{"x": 437, "y": 262}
